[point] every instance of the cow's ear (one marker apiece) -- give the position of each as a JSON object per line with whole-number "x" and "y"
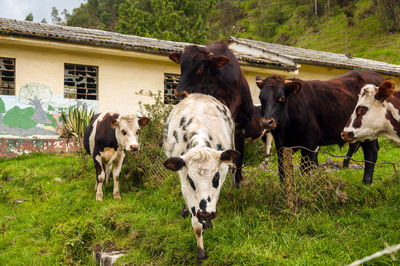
{"x": 220, "y": 60}
{"x": 176, "y": 57}
{"x": 229, "y": 156}
{"x": 385, "y": 90}
{"x": 174, "y": 163}
{"x": 259, "y": 81}
{"x": 113, "y": 122}
{"x": 292, "y": 87}
{"x": 143, "y": 121}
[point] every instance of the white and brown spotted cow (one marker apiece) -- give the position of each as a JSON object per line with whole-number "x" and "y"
{"x": 199, "y": 142}
{"x": 106, "y": 139}
{"x": 376, "y": 114}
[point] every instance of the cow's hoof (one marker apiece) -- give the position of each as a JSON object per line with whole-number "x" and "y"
{"x": 264, "y": 165}
{"x": 367, "y": 181}
{"x": 117, "y": 196}
{"x": 201, "y": 255}
{"x": 99, "y": 197}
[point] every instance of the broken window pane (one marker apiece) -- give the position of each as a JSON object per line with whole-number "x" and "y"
{"x": 171, "y": 81}
{"x": 7, "y": 76}
{"x": 80, "y": 82}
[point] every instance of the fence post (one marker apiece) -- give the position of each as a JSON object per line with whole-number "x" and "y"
{"x": 290, "y": 189}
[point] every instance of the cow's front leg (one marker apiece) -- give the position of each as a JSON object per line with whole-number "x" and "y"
{"x": 239, "y": 146}
{"x": 100, "y": 175}
{"x": 370, "y": 150}
{"x": 108, "y": 167}
{"x": 198, "y": 231}
{"x": 116, "y": 172}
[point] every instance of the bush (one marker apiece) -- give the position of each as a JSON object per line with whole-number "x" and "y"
{"x": 75, "y": 123}
{"x": 147, "y": 165}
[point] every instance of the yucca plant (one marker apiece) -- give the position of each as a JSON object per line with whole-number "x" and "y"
{"x": 75, "y": 122}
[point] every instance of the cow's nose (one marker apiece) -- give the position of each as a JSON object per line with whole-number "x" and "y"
{"x": 347, "y": 135}
{"x": 205, "y": 216}
{"x": 134, "y": 147}
{"x": 268, "y": 123}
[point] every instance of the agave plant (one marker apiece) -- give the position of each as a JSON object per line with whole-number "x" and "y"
{"x": 75, "y": 122}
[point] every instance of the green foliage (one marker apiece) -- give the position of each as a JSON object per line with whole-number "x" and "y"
{"x": 75, "y": 122}
{"x": 169, "y": 20}
{"x": 21, "y": 118}
{"x": 29, "y": 17}
{"x": 99, "y": 14}
{"x": 389, "y": 14}
{"x": 147, "y": 166}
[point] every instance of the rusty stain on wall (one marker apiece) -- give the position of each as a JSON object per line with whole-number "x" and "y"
{"x": 11, "y": 147}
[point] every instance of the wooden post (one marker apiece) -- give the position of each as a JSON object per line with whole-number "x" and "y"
{"x": 290, "y": 188}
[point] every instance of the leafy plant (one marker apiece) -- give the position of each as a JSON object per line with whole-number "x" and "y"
{"x": 75, "y": 122}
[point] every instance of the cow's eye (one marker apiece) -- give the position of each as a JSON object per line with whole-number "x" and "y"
{"x": 137, "y": 132}
{"x": 123, "y": 132}
{"x": 200, "y": 69}
{"x": 281, "y": 99}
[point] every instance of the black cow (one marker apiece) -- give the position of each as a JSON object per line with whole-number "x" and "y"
{"x": 313, "y": 113}
{"x": 215, "y": 71}
{"x": 106, "y": 139}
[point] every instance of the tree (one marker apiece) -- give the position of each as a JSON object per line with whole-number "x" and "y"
{"x": 181, "y": 20}
{"x": 29, "y": 17}
{"x": 97, "y": 14}
{"x": 43, "y": 21}
{"x": 57, "y": 19}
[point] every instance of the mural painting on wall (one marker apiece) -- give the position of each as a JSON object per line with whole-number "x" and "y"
{"x": 36, "y": 111}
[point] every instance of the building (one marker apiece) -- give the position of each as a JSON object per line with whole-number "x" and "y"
{"x": 45, "y": 69}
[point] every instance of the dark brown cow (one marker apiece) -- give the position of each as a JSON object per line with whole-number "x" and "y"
{"x": 215, "y": 71}
{"x": 313, "y": 113}
{"x": 106, "y": 139}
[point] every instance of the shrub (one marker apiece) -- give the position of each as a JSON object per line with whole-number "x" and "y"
{"x": 75, "y": 122}
{"x": 147, "y": 165}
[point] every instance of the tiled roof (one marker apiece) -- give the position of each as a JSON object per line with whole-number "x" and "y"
{"x": 312, "y": 57}
{"x": 111, "y": 40}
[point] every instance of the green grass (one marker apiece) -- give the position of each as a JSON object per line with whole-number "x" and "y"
{"x": 60, "y": 222}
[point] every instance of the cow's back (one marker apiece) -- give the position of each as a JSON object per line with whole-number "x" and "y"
{"x": 323, "y": 107}
{"x": 201, "y": 115}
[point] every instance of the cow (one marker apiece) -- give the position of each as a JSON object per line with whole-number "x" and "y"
{"x": 376, "y": 114}
{"x": 313, "y": 113}
{"x": 198, "y": 142}
{"x": 106, "y": 139}
{"x": 215, "y": 71}
{"x": 256, "y": 131}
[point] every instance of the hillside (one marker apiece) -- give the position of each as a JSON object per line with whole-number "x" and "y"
{"x": 366, "y": 38}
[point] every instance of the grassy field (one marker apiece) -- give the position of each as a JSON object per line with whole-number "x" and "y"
{"x": 48, "y": 215}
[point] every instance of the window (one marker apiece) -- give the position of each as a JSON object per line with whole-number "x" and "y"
{"x": 171, "y": 81}
{"x": 80, "y": 82}
{"x": 7, "y": 76}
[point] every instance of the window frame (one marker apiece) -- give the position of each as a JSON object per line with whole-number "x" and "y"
{"x": 14, "y": 76}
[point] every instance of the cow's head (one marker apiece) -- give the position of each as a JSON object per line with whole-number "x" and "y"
{"x": 202, "y": 172}
{"x": 198, "y": 68}
{"x": 127, "y": 128}
{"x": 274, "y": 93}
{"x": 369, "y": 116}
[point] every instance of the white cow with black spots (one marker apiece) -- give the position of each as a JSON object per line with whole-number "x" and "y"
{"x": 199, "y": 142}
{"x": 376, "y": 114}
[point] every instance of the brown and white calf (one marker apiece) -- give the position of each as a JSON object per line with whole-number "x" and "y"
{"x": 376, "y": 114}
{"x": 199, "y": 142}
{"x": 106, "y": 139}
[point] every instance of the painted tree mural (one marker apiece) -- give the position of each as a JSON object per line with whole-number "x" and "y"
{"x": 39, "y": 96}
{"x": 2, "y": 110}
